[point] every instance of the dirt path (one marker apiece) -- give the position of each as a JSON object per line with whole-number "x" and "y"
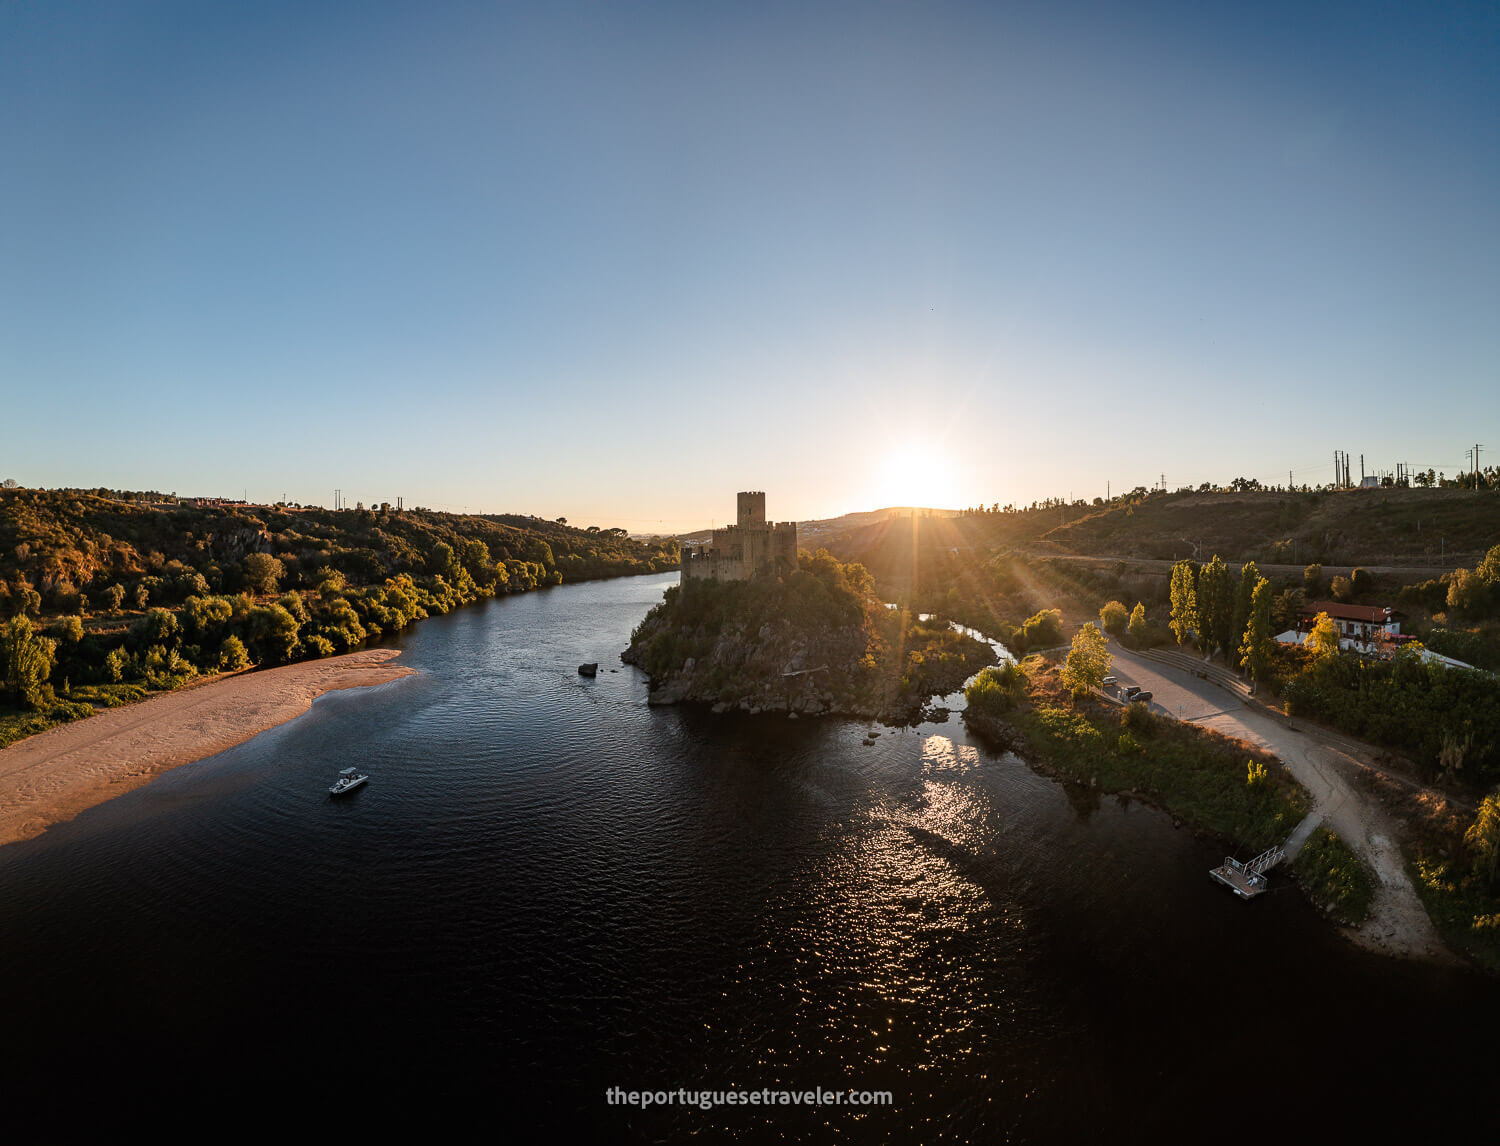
{"x": 1398, "y": 923}
{"x": 51, "y": 777}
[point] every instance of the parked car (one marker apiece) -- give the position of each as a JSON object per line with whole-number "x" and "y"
{"x": 1132, "y": 691}
{"x": 1109, "y": 682}
{"x": 1142, "y": 697}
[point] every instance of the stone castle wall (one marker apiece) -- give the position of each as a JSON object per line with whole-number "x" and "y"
{"x": 751, "y": 545}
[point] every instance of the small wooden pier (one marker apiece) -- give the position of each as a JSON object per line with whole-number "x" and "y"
{"x": 1247, "y": 880}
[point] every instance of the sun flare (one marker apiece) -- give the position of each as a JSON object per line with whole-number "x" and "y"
{"x": 917, "y": 475}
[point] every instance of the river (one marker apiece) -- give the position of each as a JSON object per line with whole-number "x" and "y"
{"x": 549, "y": 889}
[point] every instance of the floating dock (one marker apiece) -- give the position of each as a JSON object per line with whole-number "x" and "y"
{"x": 1247, "y": 880}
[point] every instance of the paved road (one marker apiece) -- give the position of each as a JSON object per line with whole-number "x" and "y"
{"x": 1398, "y": 923}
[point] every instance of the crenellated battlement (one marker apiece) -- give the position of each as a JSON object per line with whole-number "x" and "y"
{"x": 745, "y": 548}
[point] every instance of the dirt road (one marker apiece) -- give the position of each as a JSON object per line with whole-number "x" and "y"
{"x": 1398, "y": 923}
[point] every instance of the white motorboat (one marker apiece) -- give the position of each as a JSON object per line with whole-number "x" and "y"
{"x": 349, "y": 779}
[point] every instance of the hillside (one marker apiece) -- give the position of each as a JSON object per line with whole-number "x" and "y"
{"x": 1394, "y": 526}
{"x": 109, "y": 596}
{"x": 72, "y": 546}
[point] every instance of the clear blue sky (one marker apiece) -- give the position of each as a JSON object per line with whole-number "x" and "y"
{"x": 617, "y": 261}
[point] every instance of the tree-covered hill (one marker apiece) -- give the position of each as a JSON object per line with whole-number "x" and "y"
{"x": 72, "y": 547}
{"x": 104, "y": 597}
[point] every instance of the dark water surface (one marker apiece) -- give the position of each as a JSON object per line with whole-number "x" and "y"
{"x": 549, "y": 889}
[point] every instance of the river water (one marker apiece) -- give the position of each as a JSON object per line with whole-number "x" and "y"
{"x": 549, "y": 889}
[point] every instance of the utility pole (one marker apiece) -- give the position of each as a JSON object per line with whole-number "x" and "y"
{"x": 1361, "y": 469}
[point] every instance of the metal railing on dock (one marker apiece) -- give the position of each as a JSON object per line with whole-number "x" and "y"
{"x": 1247, "y": 880}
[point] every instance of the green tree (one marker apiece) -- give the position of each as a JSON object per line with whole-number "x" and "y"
{"x": 273, "y": 634}
{"x": 1312, "y": 581}
{"x": 1343, "y": 589}
{"x": 442, "y": 561}
{"x": 1488, "y": 570}
{"x": 232, "y": 655}
{"x": 1088, "y": 660}
{"x": 1324, "y": 638}
{"x": 69, "y": 630}
{"x": 1184, "y": 601}
{"x": 1137, "y": 623}
{"x": 263, "y": 573}
{"x": 1249, "y": 577}
{"x": 1361, "y": 582}
{"x": 477, "y": 561}
{"x": 158, "y": 627}
{"x": 1483, "y": 839}
{"x": 1286, "y": 608}
{"x": 1466, "y": 592}
{"x": 1215, "y": 606}
{"x": 1255, "y": 644}
{"x": 1113, "y": 617}
{"x": 26, "y": 659}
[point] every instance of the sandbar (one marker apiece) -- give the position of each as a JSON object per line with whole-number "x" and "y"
{"x": 51, "y": 777}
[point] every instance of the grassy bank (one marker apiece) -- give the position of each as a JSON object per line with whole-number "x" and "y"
{"x": 1466, "y": 915}
{"x": 19, "y": 723}
{"x": 1333, "y": 876}
{"x": 1209, "y": 781}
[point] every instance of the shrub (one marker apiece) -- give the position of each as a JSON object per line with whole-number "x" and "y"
{"x": 996, "y": 689}
{"x": 1042, "y": 630}
{"x": 319, "y": 645}
{"x": 1113, "y": 616}
{"x": 1138, "y": 718}
{"x": 232, "y": 655}
{"x": 1255, "y": 775}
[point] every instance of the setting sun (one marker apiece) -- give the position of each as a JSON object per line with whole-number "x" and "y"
{"x": 917, "y": 475}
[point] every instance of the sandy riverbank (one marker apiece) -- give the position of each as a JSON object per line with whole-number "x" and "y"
{"x": 51, "y": 777}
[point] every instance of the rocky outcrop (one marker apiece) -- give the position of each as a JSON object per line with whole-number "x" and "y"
{"x": 777, "y": 666}
{"x": 998, "y": 733}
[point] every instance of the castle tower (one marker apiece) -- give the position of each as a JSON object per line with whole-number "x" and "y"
{"x": 752, "y": 545}
{"x": 752, "y": 507}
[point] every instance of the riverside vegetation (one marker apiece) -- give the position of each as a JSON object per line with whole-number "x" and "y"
{"x": 731, "y": 644}
{"x": 990, "y": 570}
{"x": 109, "y": 596}
{"x": 1207, "y": 780}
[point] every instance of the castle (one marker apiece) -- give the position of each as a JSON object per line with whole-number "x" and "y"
{"x": 744, "y": 548}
